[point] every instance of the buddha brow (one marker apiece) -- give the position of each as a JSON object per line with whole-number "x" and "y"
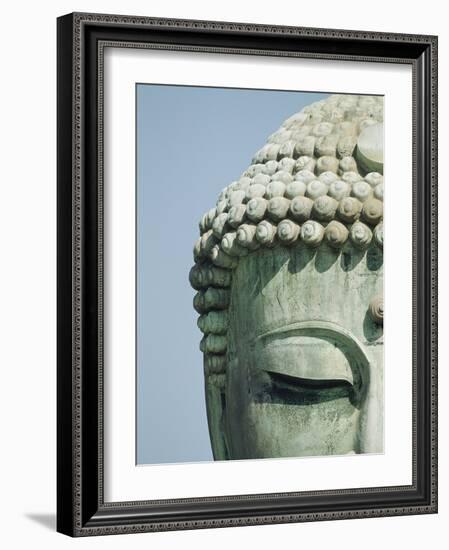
{"x": 312, "y": 327}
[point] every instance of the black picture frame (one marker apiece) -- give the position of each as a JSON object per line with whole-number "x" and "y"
{"x": 81, "y": 509}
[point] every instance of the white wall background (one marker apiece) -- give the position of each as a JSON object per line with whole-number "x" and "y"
{"x": 28, "y": 267}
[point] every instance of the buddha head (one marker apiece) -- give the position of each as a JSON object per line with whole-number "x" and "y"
{"x": 289, "y": 279}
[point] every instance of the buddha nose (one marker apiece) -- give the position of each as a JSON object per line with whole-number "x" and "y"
{"x": 371, "y": 429}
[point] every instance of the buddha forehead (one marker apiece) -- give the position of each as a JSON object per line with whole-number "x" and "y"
{"x": 276, "y": 288}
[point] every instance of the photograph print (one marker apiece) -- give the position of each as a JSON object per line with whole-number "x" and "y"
{"x": 268, "y": 342}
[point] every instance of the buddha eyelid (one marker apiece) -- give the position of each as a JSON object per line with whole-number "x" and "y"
{"x": 304, "y": 371}
{"x": 310, "y": 383}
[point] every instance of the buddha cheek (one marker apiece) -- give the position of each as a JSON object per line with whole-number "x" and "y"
{"x": 270, "y": 430}
{"x": 322, "y": 428}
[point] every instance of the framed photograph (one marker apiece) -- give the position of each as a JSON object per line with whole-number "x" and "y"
{"x": 237, "y": 342}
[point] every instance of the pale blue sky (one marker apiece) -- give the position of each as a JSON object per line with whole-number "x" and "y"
{"x": 191, "y": 142}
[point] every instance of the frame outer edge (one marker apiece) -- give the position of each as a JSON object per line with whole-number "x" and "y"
{"x": 433, "y": 268}
{"x": 65, "y": 246}
{"x": 234, "y": 26}
{"x": 69, "y": 231}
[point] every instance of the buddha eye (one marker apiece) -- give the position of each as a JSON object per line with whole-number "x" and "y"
{"x": 302, "y": 391}
{"x": 308, "y": 383}
{"x": 307, "y": 363}
{"x": 309, "y": 359}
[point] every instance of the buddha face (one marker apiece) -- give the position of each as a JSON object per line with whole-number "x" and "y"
{"x": 305, "y": 356}
{"x": 289, "y": 274}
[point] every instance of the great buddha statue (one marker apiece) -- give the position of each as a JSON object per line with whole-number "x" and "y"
{"x": 289, "y": 278}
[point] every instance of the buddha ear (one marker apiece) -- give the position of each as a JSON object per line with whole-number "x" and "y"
{"x": 215, "y": 387}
